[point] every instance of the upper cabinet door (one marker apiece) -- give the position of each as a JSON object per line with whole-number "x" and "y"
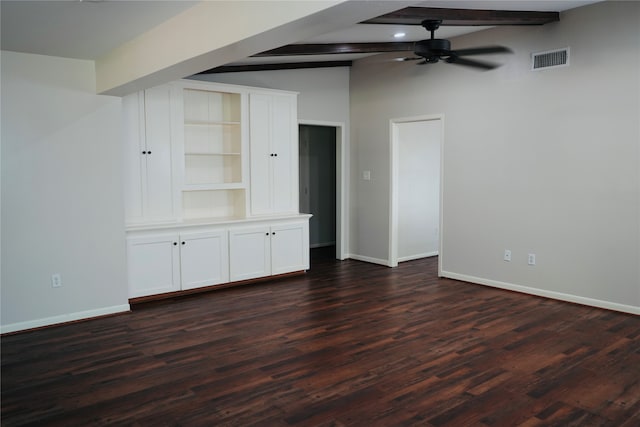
{"x": 134, "y": 160}
{"x": 148, "y": 177}
{"x": 260, "y": 153}
{"x": 159, "y": 180}
{"x": 284, "y": 184}
{"x": 274, "y": 153}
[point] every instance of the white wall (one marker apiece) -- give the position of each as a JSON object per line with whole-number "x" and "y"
{"x": 62, "y": 207}
{"x": 542, "y": 162}
{"x": 324, "y": 92}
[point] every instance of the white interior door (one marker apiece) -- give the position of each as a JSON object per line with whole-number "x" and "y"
{"x": 415, "y": 230}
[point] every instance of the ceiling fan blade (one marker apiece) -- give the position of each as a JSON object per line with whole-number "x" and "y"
{"x": 471, "y": 63}
{"x": 482, "y": 50}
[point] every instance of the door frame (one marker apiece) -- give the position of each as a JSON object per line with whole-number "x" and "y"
{"x": 342, "y": 225}
{"x": 393, "y": 191}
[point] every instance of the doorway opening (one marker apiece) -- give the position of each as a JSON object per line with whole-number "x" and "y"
{"x": 415, "y": 217}
{"x": 321, "y": 160}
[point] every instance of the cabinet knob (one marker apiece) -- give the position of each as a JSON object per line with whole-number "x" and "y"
{"x": 175, "y": 243}
{"x": 275, "y": 154}
{"x": 183, "y": 243}
{"x": 273, "y": 234}
{"x": 148, "y": 152}
{"x": 267, "y": 234}
{"x": 144, "y": 152}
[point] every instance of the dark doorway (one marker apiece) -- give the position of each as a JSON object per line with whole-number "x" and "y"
{"x": 318, "y": 182}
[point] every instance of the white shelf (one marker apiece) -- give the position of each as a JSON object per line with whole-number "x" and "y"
{"x": 214, "y": 187}
{"x": 219, "y": 202}
{"x": 212, "y": 123}
{"x": 211, "y": 154}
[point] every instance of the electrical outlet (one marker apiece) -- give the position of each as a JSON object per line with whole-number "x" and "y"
{"x": 532, "y": 259}
{"x": 56, "y": 280}
{"x": 366, "y": 175}
{"x": 507, "y": 255}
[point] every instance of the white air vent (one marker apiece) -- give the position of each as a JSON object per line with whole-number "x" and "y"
{"x": 550, "y": 59}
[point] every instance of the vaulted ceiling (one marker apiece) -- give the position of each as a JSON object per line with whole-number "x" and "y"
{"x": 94, "y": 29}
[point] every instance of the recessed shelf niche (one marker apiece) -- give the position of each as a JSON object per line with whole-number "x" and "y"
{"x": 213, "y": 185}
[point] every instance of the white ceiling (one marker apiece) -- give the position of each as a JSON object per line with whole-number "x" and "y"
{"x": 88, "y": 29}
{"x": 79, "y": 29}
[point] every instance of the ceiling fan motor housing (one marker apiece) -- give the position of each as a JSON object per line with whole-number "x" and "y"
{"x": 432, "y": 47}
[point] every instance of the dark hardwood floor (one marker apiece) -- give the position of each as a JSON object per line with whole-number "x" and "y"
{"x": 347, "y": 344}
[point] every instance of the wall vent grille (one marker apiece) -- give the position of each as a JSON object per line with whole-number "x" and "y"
{"x": 550, "y": 59}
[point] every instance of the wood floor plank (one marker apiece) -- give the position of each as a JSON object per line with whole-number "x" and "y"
{"x": 347, "y": 344}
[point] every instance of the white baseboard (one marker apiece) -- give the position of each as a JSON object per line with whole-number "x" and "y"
{"x": 417, "y": 256}
{"x": 379, "y": 261}
{"x": 544, "y": 293}
{"x": 63, "y": 318}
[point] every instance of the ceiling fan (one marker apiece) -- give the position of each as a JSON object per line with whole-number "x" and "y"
{"x": 433, "y": 50}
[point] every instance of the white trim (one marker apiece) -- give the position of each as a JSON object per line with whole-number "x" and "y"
{"x": 544, "y": 293}
{"x": 417, "y": 256}
{"x": 393, "y": 190}
{"x": 372, "y": 260}
{"x": 63, "y": 318}
{"x": 342, "y": 187}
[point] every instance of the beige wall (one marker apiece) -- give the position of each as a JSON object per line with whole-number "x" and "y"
{"x": 542, "y": 162}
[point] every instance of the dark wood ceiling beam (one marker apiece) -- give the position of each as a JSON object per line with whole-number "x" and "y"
{"x": 336, "y": 48}
{"x": 276, "y": 66}
{"x": 467, "y": 17}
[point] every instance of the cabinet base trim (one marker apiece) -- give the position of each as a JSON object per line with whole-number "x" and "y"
{"x": 178, "y": 294}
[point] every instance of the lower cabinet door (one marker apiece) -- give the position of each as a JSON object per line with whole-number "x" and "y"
{"x": 153, "y": 264}
{"x": 203, "y": 259}
{"x": 249, "y": 253}
{"x": 290, "y": 247}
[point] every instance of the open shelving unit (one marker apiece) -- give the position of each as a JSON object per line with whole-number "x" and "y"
{"x": 214, "y": 184}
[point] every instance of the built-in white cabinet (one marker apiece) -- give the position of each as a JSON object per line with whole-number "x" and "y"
{"x": 179, "y": 259}
{"x": 274, "y": 153}
{"x": 211, "y": 186}
{"x": 168, "y": 262}
{"x": 266, "y": 250}
{"x": 250, "y": 252}
{"x": 149, "y": 178}
{"x": 290, "y": 247}
{"x": 204, "y": 259}
{"x": 153, "y": 264}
